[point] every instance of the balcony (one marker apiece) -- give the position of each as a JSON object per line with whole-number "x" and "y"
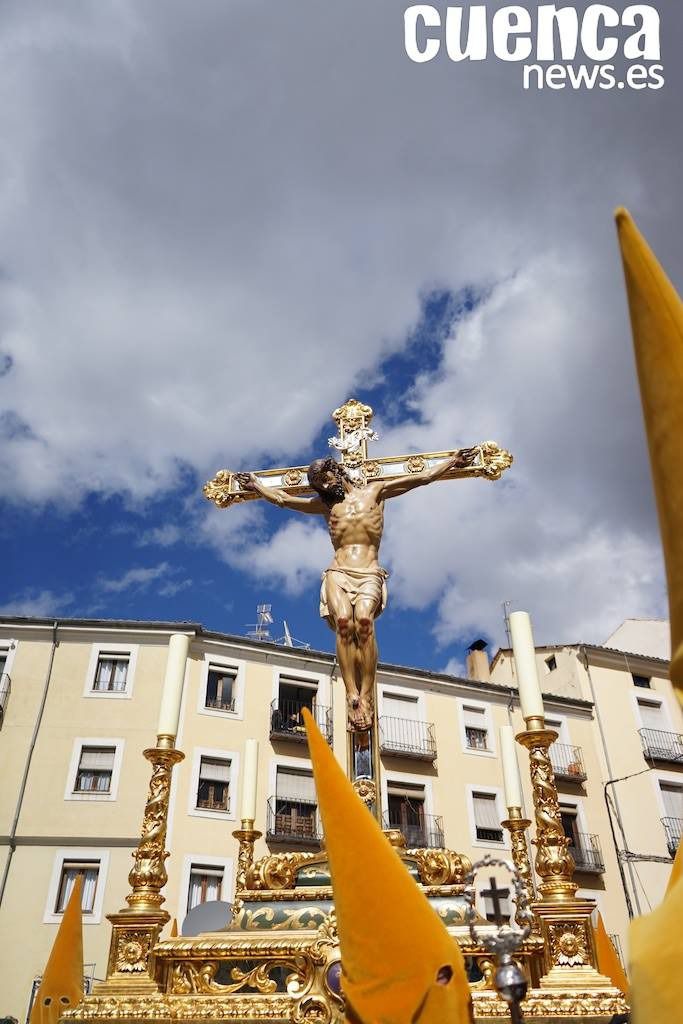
{"x": 406, "y": 738}
{"x": 567, "y": 762}
{"x": 587, "y": 854}
{"x": 5, "y": 689}
{"x": 427, "y": 835}
{"x": 293, "y": 821}
{"x": 287, "y": 720}
{"x": 662, "y": 746}
{"x": 674, "y": 829}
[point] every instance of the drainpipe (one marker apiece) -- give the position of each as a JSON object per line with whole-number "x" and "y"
{"x": 22, "y": 789}
{"x": 617, "y": 811}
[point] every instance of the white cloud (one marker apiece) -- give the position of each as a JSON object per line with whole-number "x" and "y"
{"x": 213, "y": 234}
{"x": 138, "y": 578}
{"x": 162, "y": 536}
{"x": 38, "y": 603}
{"x": 173, "y": 587}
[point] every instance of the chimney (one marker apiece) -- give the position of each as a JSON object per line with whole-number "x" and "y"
{"x": 478, "y": 661}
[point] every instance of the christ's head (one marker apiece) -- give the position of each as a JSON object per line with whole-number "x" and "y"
{"x": 326, "y": 476}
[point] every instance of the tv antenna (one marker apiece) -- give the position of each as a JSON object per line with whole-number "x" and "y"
{"x": 259, "y": 630}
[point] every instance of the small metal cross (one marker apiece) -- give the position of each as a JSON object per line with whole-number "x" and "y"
{"x": 496, "y": 895}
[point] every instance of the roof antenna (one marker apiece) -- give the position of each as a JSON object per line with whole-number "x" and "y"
{"x": 289, "y": 641}
{"x": 259, "y": 630}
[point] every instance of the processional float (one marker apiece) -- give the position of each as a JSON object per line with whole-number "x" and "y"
{"x": 278, "y": 959}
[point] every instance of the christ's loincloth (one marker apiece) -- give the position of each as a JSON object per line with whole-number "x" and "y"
{"x": 369, "y": 584}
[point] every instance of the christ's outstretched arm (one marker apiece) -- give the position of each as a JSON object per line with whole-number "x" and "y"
{"x": 393, "y": 488}
{"x": 276, "y": 496}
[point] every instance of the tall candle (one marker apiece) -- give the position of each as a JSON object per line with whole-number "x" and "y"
{"x": 511, "y": 779}
{"x": 171, "y": 695}
{"x": 525, "y": 663}
{"x": 250, "y": 780}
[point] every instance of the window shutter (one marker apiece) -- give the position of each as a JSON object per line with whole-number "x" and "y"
{"x": 651, "y": 714}
{"x": 293, "y": 785}
{"x": 485, "y": 812}
{"x": 213, "y": 770}
{"x": 94, "y": 758}
{"x": 396, "y": 706}
{"x": 475, "y": 718}
{"x": 672, "y": 795}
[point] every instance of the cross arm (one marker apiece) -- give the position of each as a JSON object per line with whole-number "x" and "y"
{"x": 488, "y": 461}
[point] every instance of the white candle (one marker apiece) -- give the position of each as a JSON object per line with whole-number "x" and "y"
{"x": 511, "y": 779}
{"x": 250, "y": 781}
{"x": 169, "y": 712}
{"x": 525, "y": 663}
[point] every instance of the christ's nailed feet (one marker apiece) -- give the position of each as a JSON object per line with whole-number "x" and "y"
{"x": 360, "y": 713}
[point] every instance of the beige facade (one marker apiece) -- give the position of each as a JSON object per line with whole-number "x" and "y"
{"x": 80, "y": 704}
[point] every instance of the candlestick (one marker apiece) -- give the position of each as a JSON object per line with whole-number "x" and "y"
{"x": 169, "y": 712}
{"x": 250, "y": 781}
{"x": 511, "y": 779}
{"x": 517, "y": 827}
{"x": 525, "y": 662}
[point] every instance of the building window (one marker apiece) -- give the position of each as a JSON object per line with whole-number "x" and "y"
{"x": 221, "y": 685}
{"x": 296, "y": 805}
{"x": 4, "y": 653}
{"x": 651, "y": 714}
{"x": 476, "y": 728}
{"x": 643, "y": 681}
{"x": 111, "y": 673}
{"x": 486, "y": 818}
{"x": 95, "y": 770}
{"x": 89, "y": 871}
{"x": 206, "y": 884}
{"x": 213, "y": 790}
{"x": 551, "y": 663}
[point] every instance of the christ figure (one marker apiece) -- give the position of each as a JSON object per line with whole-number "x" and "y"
{"x": 353, "y": 592}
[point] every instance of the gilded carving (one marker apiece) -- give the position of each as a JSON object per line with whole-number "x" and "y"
{"x": 440, "y": 867}
{"x": 415, "y": 464}
{"x": 568, "y": 945}
{"x": 278, "y": 870}
{"x": 365, "y": 788}
{"x": 312, "y": 1010}
{"x": 292, "y": 478}
{"x": 352, "y": 415}
{"x": 189, "y": 977}
{"x": 132, "y": 952}
{"x": 494, "y": 460}
{"x": 372, "y": 469}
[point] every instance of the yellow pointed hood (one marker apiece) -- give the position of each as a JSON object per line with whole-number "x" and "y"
{"x": 657, "y": 324}
{"x": 62, "y": 985}
{"x": 609, "y": 963}
{"x": 392, "y": 943}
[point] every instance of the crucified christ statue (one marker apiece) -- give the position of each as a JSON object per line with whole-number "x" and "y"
{"x": 354, "y": 591}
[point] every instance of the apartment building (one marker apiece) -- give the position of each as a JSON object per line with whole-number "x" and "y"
{"x": 79, "y": 701}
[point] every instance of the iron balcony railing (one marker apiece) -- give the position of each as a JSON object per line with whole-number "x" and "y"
{"x": 287, "y": 720}
{"x": 407, "y": 738}
{"x": 428, "y": 834}
{"x": 587, "y": 853}
{"x": 5, "y": 689}
{"x": 293, "y": 821}
{"x": 674, "y": 829}
{"x": 567, "y": 762}
{"x": 662, "y": 746}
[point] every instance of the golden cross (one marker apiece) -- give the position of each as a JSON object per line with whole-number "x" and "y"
{"x": 351, "y": 440}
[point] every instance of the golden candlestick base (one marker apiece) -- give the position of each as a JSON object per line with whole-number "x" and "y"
{"x": 569, "y": 954}
{"x": 246, "y": 835}
{"x": 136, "y": 928}
{"x": 517, "y": 827}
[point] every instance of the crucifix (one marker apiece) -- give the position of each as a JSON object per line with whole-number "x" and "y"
{"x": 496, "y": 895}
{"x": 349, "y": 493}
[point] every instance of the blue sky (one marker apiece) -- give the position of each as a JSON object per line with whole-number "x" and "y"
{"x": 110, "y": 558}
{"x": 220, "y": 221}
